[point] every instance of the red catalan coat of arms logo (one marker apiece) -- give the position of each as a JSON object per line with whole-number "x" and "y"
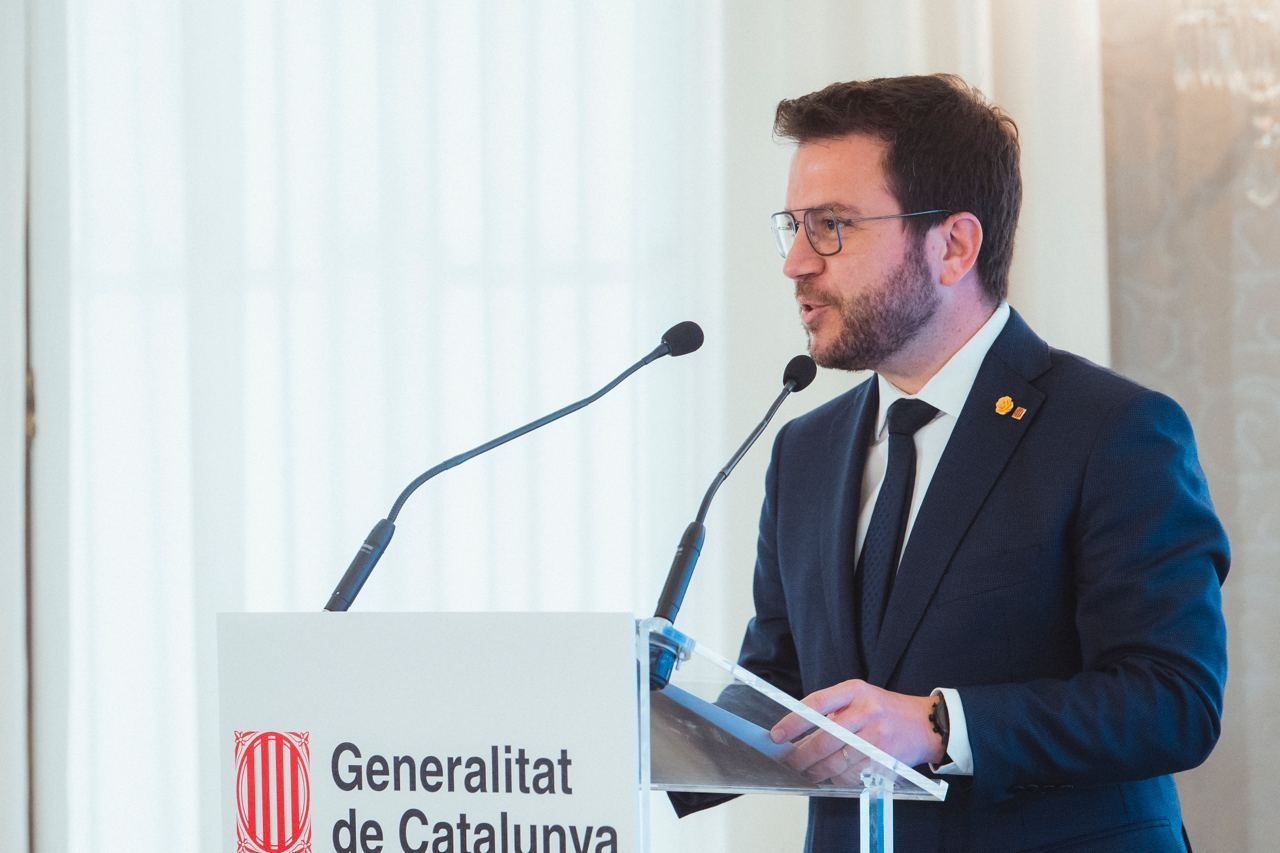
{"x": 273, "y": 792}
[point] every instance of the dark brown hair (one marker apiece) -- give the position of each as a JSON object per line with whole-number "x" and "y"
{"x": 947, "y": 147}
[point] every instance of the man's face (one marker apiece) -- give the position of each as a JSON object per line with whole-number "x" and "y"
{"x": 860, "y": 307}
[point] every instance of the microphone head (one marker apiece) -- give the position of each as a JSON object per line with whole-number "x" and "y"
{"x": 683, "y": 338}
{"x": 799, "y": 373}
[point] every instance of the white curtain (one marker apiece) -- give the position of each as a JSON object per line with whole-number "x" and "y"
{"x": 315, "y": 248}
{"x": 288, "y": 255}
{"x": 13, "y": 270}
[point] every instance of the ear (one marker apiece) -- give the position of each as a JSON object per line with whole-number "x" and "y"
{"x": 962, "y": 239}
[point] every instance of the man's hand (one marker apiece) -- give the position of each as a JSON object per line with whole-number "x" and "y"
{"x": 897, "y": 723}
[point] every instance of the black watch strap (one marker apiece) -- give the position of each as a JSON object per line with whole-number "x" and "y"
{"x": 941, "y": 723}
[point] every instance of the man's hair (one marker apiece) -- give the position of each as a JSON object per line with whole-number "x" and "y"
{"x": 947, "y": 147}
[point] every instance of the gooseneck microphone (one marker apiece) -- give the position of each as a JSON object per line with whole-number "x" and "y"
{"x": 800, "y": 372}
{"x": 680, "y": 339}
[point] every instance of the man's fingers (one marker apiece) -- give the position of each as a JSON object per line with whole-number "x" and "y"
{"x": 812, "y": 751}
{"x": 829, "y": 767}
{"x": 842, "y": 768}
{"x": 823, "y": 701}
{"x": 789, "y": 727}
{"x": 851, "y": 775}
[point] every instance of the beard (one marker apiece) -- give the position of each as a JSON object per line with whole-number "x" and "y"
{"x": 877, "y": 323}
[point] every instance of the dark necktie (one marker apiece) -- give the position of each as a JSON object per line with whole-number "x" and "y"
{"x": 883, "y": 543}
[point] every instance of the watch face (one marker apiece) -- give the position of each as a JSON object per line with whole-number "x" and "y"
{"x": 938, "y": 717}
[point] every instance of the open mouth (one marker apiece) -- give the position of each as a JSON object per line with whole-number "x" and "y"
{"x": 810, "y": 310}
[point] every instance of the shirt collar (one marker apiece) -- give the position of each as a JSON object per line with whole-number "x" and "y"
{"x": 947, "y": 390}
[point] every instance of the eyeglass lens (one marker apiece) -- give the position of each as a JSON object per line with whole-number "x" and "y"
{"x": 821, "y": 227}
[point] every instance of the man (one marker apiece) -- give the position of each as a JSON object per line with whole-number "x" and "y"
{"x": 1036, "y": 610}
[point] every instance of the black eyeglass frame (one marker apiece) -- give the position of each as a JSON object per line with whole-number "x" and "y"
{"x": 840, "y": 221}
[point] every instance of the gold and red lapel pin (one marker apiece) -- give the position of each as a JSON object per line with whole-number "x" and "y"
{"x": 1005, "y": 405}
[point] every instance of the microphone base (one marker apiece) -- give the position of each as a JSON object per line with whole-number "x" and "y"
{"x": 667, "y": 649}
{"x": 662, "y": 662}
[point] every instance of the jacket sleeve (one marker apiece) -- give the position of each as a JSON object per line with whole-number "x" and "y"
{"x": 1149, "y": 558}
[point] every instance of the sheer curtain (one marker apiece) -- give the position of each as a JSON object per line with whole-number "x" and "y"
{"x": 13, "y": 339}
{"x": 315, "y": 248}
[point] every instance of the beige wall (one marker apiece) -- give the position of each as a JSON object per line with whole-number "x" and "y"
{"x": 1195, "y": 301}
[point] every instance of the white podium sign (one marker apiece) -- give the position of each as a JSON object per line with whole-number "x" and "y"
{"x": 429, "y": 733}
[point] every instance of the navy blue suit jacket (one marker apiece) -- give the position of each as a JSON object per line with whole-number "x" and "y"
{"x": 1063, "y": 573}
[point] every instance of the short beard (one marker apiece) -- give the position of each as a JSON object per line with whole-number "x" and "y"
{"x": 877, "y": 324}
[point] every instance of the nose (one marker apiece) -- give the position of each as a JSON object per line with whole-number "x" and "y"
{"x": 802, "y": 261}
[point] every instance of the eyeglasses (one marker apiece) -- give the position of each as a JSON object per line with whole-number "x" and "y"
{"x": 824, "y": 227}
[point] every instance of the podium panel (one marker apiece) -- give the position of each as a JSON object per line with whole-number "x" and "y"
{"x": 371, "y": 732}
{"x": 707, "y": 725}
{"x": 497, "y": 732}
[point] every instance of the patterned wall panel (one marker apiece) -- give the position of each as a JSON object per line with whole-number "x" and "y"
{"x": 1195, "y": 276}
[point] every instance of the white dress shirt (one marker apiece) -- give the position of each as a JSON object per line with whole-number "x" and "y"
{"x": 946, "y": 391}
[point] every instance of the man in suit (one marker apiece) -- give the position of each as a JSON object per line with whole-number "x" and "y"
{"x": 1035, "y": 612}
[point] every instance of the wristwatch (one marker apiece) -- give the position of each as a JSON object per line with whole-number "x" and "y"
{"x": 941, "y": 723}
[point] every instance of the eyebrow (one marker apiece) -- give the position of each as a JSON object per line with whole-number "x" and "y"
{"x": 838, "y": 207}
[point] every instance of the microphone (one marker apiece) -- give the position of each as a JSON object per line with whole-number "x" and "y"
{"x": 798, "y": 375}
{"x": 680, "y": 339}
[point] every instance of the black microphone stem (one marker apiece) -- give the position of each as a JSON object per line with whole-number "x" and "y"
{"x": 690, "y": 547}
{"x": 662, "y": 653}
{"x": 742, "y": 451}
{"x": 679, "y": 339}
{"x": 516, "y": 433}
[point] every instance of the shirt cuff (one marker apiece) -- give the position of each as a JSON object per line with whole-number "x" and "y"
{"x": 958, "y": 749}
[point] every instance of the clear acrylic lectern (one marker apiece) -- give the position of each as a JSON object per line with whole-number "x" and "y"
{"x": 707, "y": 731}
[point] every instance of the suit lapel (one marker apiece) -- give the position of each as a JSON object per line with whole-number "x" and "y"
{"x": 848, "y": 443}
{"x": 979, "y": 448}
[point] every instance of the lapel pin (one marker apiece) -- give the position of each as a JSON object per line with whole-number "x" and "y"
{"x": 1004, "y": 405}
{"x": 1018, "y": 413}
